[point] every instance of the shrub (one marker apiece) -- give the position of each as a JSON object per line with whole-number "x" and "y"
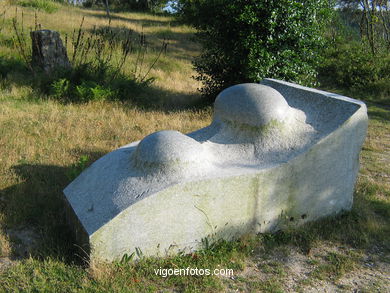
{"x": 348, "y": 66}
{"x": 83, "y": 83}
{"x": 248, "y": 40}
{"x": 87, "y": 83}
{"x": 349, "y": 63}
{"x": 352, "y": 68}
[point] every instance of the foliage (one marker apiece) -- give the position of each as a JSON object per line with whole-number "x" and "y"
{"x": 97, "y": 72}
{"x": 373, "y": 17}
{"x": 353, "y": 69}
{"x": 246, "y": 41}
{"x": 351, "y": 63}
{"x": 343, "y": 27}
{"x": 349, "y": 66}
{"x": 83, "y": 84}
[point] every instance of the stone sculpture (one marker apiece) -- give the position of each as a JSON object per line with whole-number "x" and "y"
{"x": 276, "y": 154}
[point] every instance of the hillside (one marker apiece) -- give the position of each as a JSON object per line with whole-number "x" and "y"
{"x": 45, "y": 142}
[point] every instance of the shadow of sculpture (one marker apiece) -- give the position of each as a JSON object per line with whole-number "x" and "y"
{"x": 34, "y": 212}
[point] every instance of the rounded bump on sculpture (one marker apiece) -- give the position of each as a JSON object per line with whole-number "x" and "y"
{"x": 251, "y": 104}
{"x": 167, "y": 148}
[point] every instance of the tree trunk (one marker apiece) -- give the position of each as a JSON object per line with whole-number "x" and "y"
{"x": 368, "y": 14}
{"x": 48, "y": 51}
{"x": 107, "y": 9}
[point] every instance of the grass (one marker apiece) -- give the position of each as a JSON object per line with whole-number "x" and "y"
{"x": 172, "y": 84}
{"x": 44, "y": 144}
{"x": 44, "y": 5}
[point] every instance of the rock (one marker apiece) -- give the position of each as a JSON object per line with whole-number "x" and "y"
{"x": 276, "y": 155}
{"x": 48, "y": 51}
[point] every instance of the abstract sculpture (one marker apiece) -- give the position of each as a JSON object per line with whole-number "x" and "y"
{"x": 276, "y": 154}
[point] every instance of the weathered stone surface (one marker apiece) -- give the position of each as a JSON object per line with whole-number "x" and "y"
{"x": 276, "y": 155}
{"x": 166, "y": 149}
{"x": 48, "y": 52}
{"x": 251, "y": 104}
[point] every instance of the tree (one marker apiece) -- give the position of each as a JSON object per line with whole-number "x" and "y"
{"x": 374, "y": 21}
{"x": 248, "y": 40}
{"x": 107, "y": 8}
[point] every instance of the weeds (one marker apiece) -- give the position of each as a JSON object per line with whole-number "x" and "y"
{"x": 21, "y": 44}
{"x": 76, "y": 169}
{"x": 98, "y": 58}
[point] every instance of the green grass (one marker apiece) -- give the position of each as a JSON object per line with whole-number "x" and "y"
{"x": 335, "y": 265}
{"x": 43, "y": 5}
{"x": 44, "y": 276}
{"x": 45, "y": 144}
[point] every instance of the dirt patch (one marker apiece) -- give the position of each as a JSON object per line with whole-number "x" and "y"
{"x": 295, "y": 271}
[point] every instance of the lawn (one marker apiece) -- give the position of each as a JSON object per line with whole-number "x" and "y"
{"x": 44, "y": 143}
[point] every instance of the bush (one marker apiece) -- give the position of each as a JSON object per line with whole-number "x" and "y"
{"x": 353, "y": 67}
{"x": 89, "y": 83}
{"x": 248, "y": 40}
{"x": 348, "y": 66}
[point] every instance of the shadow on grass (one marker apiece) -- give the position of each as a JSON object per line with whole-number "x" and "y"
{"x": 140, "y": 21}
{"x": 380, "y": 113}
{"x": 180, "y": 45}
{"x": 14, "y": 72}
{"x": 35, "y": 215}
{"x": 147, "y": 97}
{"x": 12, "y": 65}
{"x": 157, "y": 99}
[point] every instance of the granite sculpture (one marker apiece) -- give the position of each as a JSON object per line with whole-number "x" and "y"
{"x": 276, "y": 154}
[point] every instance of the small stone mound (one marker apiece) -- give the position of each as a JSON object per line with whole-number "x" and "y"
{"x": 167, "y": 149}
{"x": 251, "y": 104}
